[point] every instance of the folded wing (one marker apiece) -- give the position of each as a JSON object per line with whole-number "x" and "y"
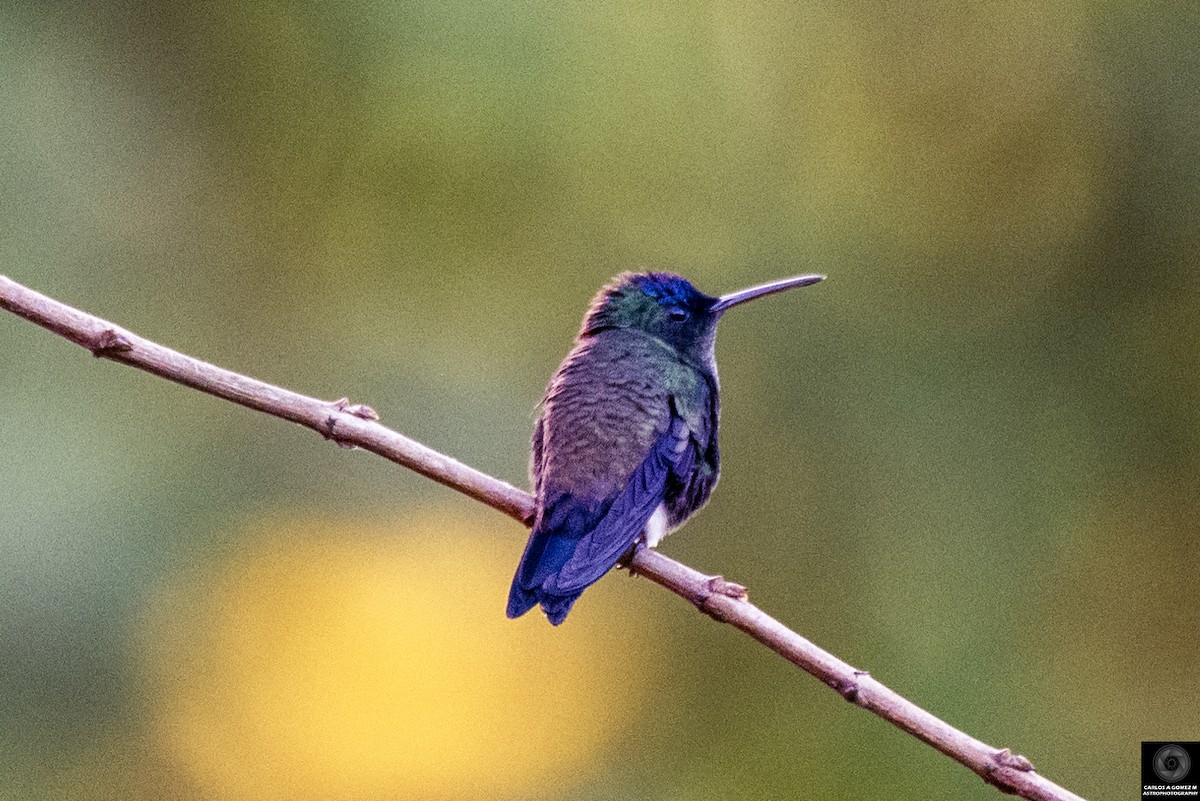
{"x": 574, "y": 543}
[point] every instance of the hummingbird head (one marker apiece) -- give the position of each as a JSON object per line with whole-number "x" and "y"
{"x": 668, "y": 307}
{"x": 664, "y": 305}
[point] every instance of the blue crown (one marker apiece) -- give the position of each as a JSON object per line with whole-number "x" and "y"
{"x": 666, "y": 288}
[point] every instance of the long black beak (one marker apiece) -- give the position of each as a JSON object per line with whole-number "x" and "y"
{"x": 734, "y": 298}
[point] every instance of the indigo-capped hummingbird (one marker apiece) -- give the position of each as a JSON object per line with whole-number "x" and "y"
{"x": 625, "y": 445}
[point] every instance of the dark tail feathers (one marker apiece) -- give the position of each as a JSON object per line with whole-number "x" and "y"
{"x": 556, "y": 607}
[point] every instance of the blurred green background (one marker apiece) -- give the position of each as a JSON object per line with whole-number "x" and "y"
{"x": 967, "y": 462}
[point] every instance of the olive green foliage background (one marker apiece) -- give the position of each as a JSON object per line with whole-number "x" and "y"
{"x": 967, "y": 462}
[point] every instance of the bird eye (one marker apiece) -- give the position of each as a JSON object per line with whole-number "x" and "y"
{"x": 677, "y": 314}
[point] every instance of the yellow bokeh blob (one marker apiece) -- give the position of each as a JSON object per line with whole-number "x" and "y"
{"x": 330, "y": 660}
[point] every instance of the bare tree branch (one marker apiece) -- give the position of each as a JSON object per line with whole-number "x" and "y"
{"x": 355, "y": 425}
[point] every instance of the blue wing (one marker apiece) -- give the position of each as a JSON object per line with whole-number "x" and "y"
{"x": 574, "y": 543}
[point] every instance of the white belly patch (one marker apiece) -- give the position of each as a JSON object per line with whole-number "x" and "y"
{"x": 656, "y": 527}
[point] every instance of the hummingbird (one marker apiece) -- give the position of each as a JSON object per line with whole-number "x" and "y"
{"x": 625, "y": 443}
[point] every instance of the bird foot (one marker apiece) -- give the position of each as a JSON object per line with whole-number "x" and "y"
{"x": 627, "y": 560}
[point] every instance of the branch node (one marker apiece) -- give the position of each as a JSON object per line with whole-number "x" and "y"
{"x": 328, "y": 432}
{"x": 994, "y": 771}
{"x": 360, "y": 410}
{"x": 344, "y": 406}
{"x": 852, "y": 691}
{"x": 1007, "y": 759}
{"x": 108, "y": 343}
{"x": 717, "y": 585}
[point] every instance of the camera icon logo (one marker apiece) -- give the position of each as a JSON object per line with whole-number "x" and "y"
{"x": 1171, "y": 763}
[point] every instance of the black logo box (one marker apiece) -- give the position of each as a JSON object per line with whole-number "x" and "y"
{"x": 1170, "y": 763}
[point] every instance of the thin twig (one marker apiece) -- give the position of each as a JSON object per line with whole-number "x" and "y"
{"x": 354, "y": 425}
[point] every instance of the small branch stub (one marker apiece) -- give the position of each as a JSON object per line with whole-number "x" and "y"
{"x": 852, "y": 690}
{"x": 714, "y": 588}
{"x": 108, "y": 343}
{"x": 718, "y": 585}
{"x": 1006, "y": 758}
{"x": 360, "y": 410}
{"x": 999, "y": 770}
{"x": 344, "y": 406}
